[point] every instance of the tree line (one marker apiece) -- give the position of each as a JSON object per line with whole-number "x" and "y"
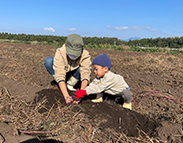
{"x": 61, "y": 39}
{"x": 175, "y": 42}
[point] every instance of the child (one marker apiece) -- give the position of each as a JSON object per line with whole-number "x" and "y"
{"x": 107, "y": 82}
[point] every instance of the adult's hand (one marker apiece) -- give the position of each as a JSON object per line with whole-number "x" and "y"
{"x": 68, "y": 99}
{"x": 63, "y": 88}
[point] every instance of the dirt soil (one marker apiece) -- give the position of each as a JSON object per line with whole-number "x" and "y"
{"x": 155, "y": 80}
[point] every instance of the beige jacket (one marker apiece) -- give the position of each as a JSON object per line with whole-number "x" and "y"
{"x": 62, "y": 64}
{"x": 111, "y": 83}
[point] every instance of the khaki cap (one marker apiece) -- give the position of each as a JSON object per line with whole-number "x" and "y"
{"x": 74, "y": 45}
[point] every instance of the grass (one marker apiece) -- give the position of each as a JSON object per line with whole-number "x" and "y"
{"x": 157, "y": 50}
{"x": 104, "y": 46}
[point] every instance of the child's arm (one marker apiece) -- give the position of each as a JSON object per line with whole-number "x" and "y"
{"x": 98, "y": 86}
{"x": 94, "y": 88}
{"x": 108, "y": 82}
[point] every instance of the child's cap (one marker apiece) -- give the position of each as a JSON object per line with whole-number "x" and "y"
{"x": 102, "y": 60}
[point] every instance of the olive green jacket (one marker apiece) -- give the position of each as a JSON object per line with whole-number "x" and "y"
{"x": 63, "y": 64}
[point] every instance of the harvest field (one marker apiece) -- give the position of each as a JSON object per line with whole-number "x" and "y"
{"x": 32, "y": 109}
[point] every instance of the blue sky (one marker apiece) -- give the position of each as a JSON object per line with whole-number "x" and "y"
{"x": 102, "y": 18}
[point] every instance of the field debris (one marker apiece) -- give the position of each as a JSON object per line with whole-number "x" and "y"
{"x": 155, "y": 80}
{"x": 57, "y": 123}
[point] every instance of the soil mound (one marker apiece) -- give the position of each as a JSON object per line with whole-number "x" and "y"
{"x": 106, "y": 115}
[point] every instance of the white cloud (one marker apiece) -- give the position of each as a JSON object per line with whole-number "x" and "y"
{"x": 121, "y": 28}
{"x": 171, "y": 34}
{"x": 148, "y": 27}
{"x": 72, "y": 29}
{"x": 136, "y": 28}
{"x": 49, "y": 29}
{"x": 108, "y": 26}
{"x": 153, "y": 29}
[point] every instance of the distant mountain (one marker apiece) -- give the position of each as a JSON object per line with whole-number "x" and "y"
{"x": 133, "y": 38}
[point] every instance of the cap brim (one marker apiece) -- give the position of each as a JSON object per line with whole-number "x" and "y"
{"x": 72, "y": 52}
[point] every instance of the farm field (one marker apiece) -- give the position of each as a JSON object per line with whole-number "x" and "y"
{"x": 31, "y": 108}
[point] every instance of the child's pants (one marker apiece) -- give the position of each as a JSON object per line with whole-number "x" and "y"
{"x": 126, "y": 96}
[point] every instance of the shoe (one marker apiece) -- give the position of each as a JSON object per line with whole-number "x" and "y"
{"x": 54, "y": 77}
{"x": 54, "y": 83}
{"x": 71, "y": 83}
{"x": 98, "y": 99}
{"x": 127, "y": 105}
{"x": 71, "y": 88}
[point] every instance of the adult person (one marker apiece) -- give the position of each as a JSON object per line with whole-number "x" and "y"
{"x": 70, "y": 65}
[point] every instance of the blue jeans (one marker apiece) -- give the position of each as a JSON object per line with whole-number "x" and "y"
{"x": 48, "y": 62}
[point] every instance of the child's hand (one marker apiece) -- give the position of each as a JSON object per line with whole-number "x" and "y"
{"x": 79, "y": 94}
